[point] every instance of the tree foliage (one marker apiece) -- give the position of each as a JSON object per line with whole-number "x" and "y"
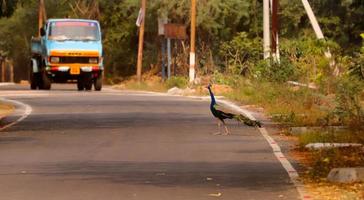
{"x": 228, "y": 32}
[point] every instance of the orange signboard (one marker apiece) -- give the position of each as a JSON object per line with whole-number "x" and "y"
{"x": 175, "y": 31}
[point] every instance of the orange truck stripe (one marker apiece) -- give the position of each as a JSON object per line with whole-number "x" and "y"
{"x": 75, "y": 53}
{"x": 74, "y": 65}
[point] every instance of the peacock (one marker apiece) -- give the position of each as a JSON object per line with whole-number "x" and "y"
{"x": 221, "y": 113}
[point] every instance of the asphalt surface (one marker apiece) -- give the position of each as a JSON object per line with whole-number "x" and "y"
{"x": 120, "y": 145}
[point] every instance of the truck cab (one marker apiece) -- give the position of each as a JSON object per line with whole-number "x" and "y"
{"x": 69, "y": 50}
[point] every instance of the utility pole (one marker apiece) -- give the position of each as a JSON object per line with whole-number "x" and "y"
{"x": 319, "y": 34}
{"x": 2, "y": 68}
{"x": 266, "y": 28}
{"x": 141, "y": 41}
{"x": 169, "y": 58}
{"x": 193, "y": 40}
{"x": 11, "y": 65}
{"x": 42, "y": 16}
{"x": 275, "y": 47}
{"x": 313, "y": 20}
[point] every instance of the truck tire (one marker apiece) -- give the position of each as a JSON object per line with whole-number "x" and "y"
{"x": 88, "y": 85}
{"x": 46, "y": 82}
{"x": 98, "y": 83}
{"x": 34, "y": 81}
{"x": 80, "y": 85}
{"x": 87, "y": 81}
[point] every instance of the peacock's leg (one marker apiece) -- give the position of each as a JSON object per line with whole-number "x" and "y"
{"x": 219, "y": 127}
{"x": 227, "y": 132}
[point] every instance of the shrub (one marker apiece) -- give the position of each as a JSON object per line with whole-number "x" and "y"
{"x": 241, "y": 53}
{"x": 177, "y": 81}
{"x": 348, "y": 110}
{"x": 226, "y": 78}
{"x": 274, "y": 71}
{"x": 357, "y": 68}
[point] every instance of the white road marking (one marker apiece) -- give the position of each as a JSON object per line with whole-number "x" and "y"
{"x": 23, "y": 111}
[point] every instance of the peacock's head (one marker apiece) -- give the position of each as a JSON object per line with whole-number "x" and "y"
{"x": 209, "y": 86}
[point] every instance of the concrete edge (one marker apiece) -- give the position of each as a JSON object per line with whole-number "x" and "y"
{"x": 346, "y": 175}
{"x": 6, "y": 84}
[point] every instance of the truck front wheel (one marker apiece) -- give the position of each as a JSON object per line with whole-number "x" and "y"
{"x": 98, "y": 83}
{"x": 84, "y": 82}
{"x": 35, "y": 80}
{"x": 46, "y": 82}
{"x": 80, "y": 85}
{"x": 88, "y": 81}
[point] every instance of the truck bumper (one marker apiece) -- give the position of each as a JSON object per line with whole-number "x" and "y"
{"x": 65, "y": 73}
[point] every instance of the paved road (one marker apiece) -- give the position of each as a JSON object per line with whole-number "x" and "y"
{"x": 119, "y": 145}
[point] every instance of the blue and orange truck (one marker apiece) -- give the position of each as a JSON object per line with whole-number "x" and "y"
{"x": 68, "y": 50}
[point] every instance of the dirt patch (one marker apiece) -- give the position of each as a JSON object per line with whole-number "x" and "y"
{"x": 328, "y": 191}
{"x": 316, "y": 165}
{"x": 5, "y": 109}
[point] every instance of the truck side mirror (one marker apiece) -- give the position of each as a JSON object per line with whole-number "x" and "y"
{"x": 42, "y": 32}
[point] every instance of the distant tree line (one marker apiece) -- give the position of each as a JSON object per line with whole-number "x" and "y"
{"x": 223, "y": 28}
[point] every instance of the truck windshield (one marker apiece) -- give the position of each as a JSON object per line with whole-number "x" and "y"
{"x": 74, "y": 30}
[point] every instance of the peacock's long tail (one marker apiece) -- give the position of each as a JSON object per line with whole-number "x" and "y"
{"x": 247, "y": 121}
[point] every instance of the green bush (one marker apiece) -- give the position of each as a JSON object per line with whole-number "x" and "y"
{"x": 357, "y": 67}
{"x": 177, "y": 81}
{"x": 226, "y": 78}
{"x": 240, "y": 54}
{"x": 348, "y": 110}
{"x": 274, "y": 71}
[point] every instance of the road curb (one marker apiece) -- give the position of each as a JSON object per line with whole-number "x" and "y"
{"x": 6, "y": 84}
{"x": 346, "y": 175}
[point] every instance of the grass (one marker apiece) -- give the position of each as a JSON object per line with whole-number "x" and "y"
{"x": 154, "y": 84}
{"x": 286, "y": 104}
{"x": 331, "y": 137}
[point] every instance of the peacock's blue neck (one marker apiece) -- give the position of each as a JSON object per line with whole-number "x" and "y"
{"x": 213, "y": 101}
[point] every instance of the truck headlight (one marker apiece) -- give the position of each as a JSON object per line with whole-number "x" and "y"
{"x": 55, "y": 59}
{"x": 93, "y": 60}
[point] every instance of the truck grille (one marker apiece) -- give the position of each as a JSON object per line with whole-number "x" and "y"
{"x": 70, "y": 60}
